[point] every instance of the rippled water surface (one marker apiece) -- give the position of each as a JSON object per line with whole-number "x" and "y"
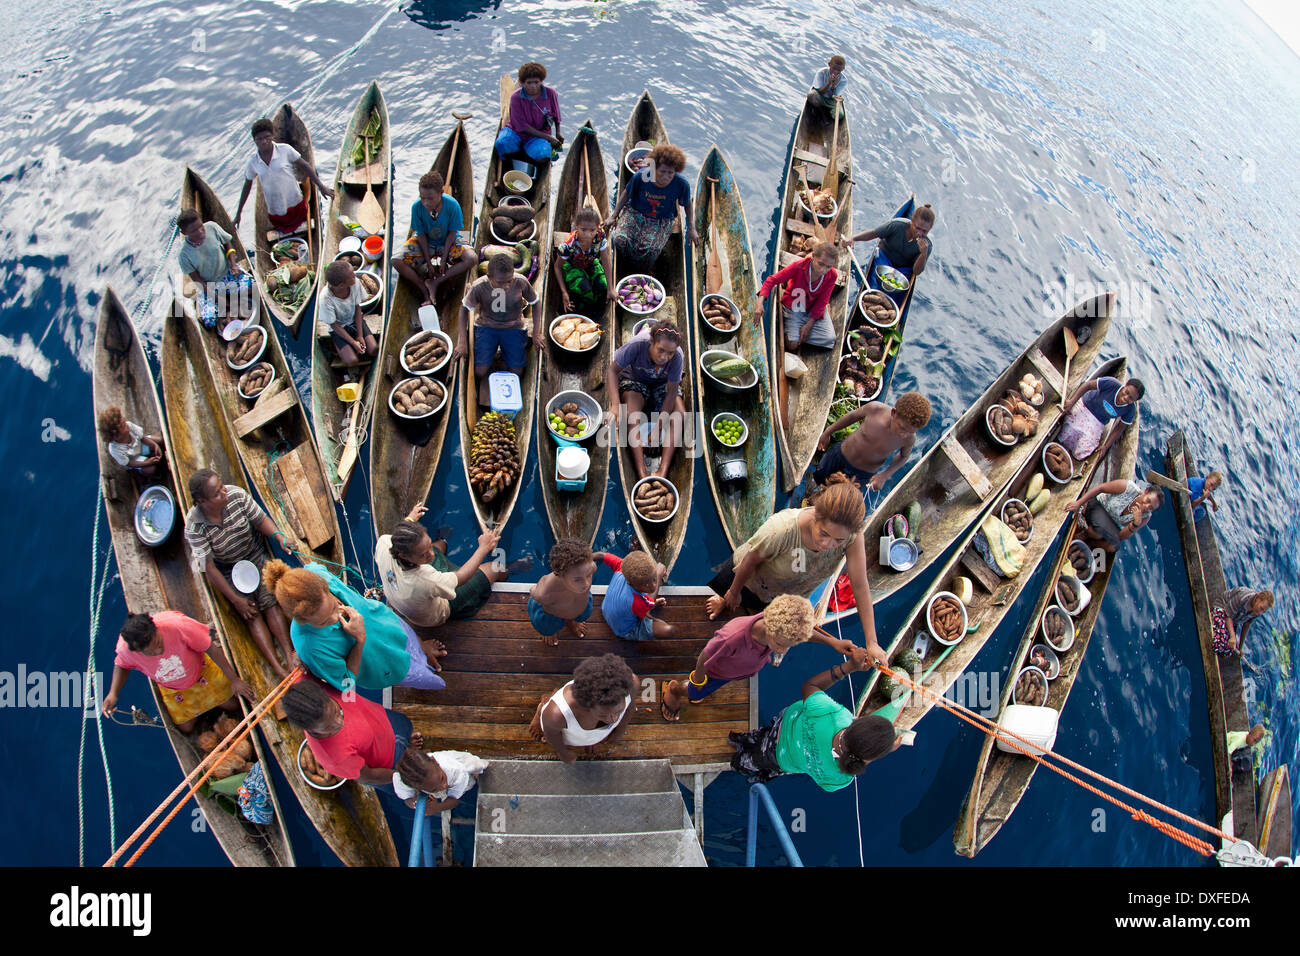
{"x": 1146, "y": 147}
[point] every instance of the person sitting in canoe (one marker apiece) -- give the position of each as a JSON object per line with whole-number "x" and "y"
{"x": 436, "y": 223}
{"x": 648, "y": 205}
{"x": 183, "y": 657}
{"x": 1095, "y": 404}
{"x": 347, "y": 640}
{"x": 561, "y": 600}
{"x": 226, "y": 526}
{"x": 739, "y": 650}
{"x": 128, "y": 445}
{"x": 497, "y": 301}
{"x": 581, "y": 265}
{"x": 349, "y": 735}
{"x": 808, "y": 283}
{"x": 209, "y": 258}
{"x": 816, "y": 735}
{"x": 532, "y": 128}
{"x": 1112, "y": 511}
{"x": 828, "y": 89}
{"x": 883, "y": 432}
{"x": 904, "y": 244}
{"x": 278, "y": 167}
{"x": 422, "y": 585}
{"x": 797, "y": 549}
{"x": 340, "y": 310}
{"x": 1232, "y": 616}
{"x": 443, "y": 775}
{"x": 593, "y": 708}
{"x": 1202, "y": 490}
{"x": 646, "y": 375}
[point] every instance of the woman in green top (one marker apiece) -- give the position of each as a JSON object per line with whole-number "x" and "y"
{"x": 816, "y": 736}
{"x": 347, "y": 640}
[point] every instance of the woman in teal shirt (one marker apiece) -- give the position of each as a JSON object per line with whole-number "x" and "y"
{"x": 345, "y": 639}
{"x": 816, "y": 736}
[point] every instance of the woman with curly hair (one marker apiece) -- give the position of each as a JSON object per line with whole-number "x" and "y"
{"x": 533, "y": 125}
{"x": 591, "y": 709}
{"x": 797, "y": 549}
{"x": 647, "y": 207}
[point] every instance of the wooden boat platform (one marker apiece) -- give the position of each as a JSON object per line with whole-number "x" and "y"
{"x": 498, "y": 669}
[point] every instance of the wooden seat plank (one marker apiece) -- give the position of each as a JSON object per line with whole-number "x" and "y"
{"x": 966, "y": 466}
{"x": 263, "y": 413}
{"x": 1046, "y": 371}
{"x": 315, "y": 528}
{"x": 981, "y": 572}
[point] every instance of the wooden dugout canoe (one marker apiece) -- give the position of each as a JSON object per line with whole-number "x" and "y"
{"x": 497, "y": 512}
{"x": 742, "y": 506}
{"x": 1274, "y": 813}
{"x": 401, "y": 470}
{"x": 350, "y": 819}
{"x": 1224, "y": 690}
{"x": 290, "y": 129}
{"x": 1001, "y": 778}
{"x": 802, "y": 405}
{"x": 662, "y": 541}
{"x": 339, "y": 425}
{"x": 160, "y": 579}
{"x": 955, "y": 479}
{"x": 271, "y": 435}
{"x": 993, "y": 595}
{"x": 575, "y": 514}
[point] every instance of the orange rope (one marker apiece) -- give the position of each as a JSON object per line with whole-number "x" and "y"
{"x": 206, "y": 766}
{"x": 1015, "y": 740}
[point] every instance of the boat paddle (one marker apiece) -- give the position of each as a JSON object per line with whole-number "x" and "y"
{"x": 1071, "y": 350}
{"x": 460, "y": 116}
{"x": 713, "y": 266}
{"x": 831, "y": 181}
{"x": 588, "y": 200}
{"x": 1164, "y": 481}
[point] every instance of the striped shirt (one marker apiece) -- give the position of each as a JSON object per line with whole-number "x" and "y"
{"x": 235, "y": 539}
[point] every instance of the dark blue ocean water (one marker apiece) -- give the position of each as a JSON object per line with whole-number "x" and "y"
{"x": 1146, "y": 147}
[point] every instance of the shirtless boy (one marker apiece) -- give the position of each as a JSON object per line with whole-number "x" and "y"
{"x": 561, "y": 600}
{"x": 884, "y": 432}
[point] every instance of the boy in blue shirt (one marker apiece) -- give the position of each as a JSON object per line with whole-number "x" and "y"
{"x": 632, "y": 596}
{"x": 436, "y": 223}
{"x": 1202, "y": 490}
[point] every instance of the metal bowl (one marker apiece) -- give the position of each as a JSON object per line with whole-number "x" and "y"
{"x": 251, "y": 398}
{"x": 587, "y": 406}
{"x": 510, "y": 242}
{"x": 735, "y": 312}
{"x": 1002, "y": 513}
{"x": 869, "y": 317}
{"x": 1048, "y": 472}
{"x": 427, "y": 371}
{"x": 378, "y": 296}
{"x": 415, "y": 418}
{"x": 257, "y": 357}
{"x": 729, "y": 417}
{"x": 155, "y": 515}
{"x": 663, "y": 294}
{"x": 1047, "y": 686}
{"x": 518, "y": 181}
{"x": 835, "y": 207}
{"x": 303, "y": 773}
{"x": 354, "y": 258}
{"x": 677, "y": 500}
{"x": 1053, "y": 662}
{"x": 989, "y": 427}
{"x": 965, "y": 616}
{"x": 735, "y": 386}
{"x": 733, "y": 469}
{"x": 883, "y": 270}
{"x": 902, "y": 554}
{"x": 1068, "y": 641}
{"x": 573, "y": 315}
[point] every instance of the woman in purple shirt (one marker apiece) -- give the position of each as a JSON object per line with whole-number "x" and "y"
{"x": 533, "y": 126}
{"x": 646, "y": 375}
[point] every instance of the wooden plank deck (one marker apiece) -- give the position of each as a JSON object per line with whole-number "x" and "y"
{"x": 497, "y": 670}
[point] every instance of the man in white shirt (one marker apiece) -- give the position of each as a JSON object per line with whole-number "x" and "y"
{"x": 278, "y": 166}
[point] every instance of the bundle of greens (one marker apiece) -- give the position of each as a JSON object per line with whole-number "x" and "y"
{"x": 844, "y": 403}
{"x": 372, "y": 130}
{"x": 287, "y": 290}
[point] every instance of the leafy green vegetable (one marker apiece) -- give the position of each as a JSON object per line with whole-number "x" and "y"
{"x": 372, "y": 129}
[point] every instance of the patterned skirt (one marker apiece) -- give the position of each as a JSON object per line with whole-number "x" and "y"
{"x": 639, "y": 236}
{"x": 756, "y": 752}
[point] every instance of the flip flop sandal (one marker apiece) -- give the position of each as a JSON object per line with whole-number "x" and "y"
{"x": 670, "y": 714}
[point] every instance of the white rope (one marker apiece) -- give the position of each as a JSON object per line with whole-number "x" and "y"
{"x": 96, "y": 604}
{"x": 857, "y": 803}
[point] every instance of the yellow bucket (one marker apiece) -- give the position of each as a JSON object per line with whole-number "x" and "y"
{"x": 348, "y": 392}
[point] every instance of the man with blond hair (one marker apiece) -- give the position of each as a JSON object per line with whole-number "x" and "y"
{"x": 882, "y": 432}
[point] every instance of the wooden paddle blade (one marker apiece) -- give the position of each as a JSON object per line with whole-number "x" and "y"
{"x": 1071, "y": 344}
{"x": 1164, "y": 481}
{"x": 831, "y": 181}
{"x": 370, "y": 214}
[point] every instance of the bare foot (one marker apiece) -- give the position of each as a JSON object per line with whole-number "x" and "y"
{"x": 577, "y": 628}
{"x": 551, "y": 640}
{"x": 714, "y": 606}
{"x": 432, "y": 651}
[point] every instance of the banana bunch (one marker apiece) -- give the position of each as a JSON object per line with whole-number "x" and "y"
{"x": 493, "y": 456}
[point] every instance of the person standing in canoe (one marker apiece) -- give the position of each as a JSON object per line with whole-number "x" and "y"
{"x": 797, "y": 549}
{"x": 828, "y": 89}
{"x": 1095, "y": 404}
{"x": 646, "y": 375}
{"x": 581, "y": 265}
{"x": 340, "y": 309}
{"x": 883, "y": 432}
{"x": 128, "y": 445}
{"x": 816, "y": 735}
{"x": 497, "y": 301}
{"x": 593, "y": 708}
{"x": 436, "y": 224}
{"x": 347, "y": 640}
{"x": 226, "y": 526}
{"x": 532, "y": 127}
{"x": 209, "y": 258}
{"x": 808, "y": 283}
{"x": 1113, "y": 511}
{"x": 349, "y": 735}
{"x": 903, "y": 244}
{"x": 648, "y": 205}
{"x": 278, "y": 167}
{"x": 180, "y": 655}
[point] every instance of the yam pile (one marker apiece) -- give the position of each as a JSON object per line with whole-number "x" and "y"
{"x": 418, "y": 396}
{"x": 568, "y": 420}
{"x": 878, "y": 307}
{"x": 1020, "y": 420}
{"x": 1030, "y": 689}
{"x": 802, "y": 245}
{"x": 1067, "y": 595}
{"x": 369, "y": 285}
{"x": 314, "y": 771}
{"x": 237, "y": 759}
{"x": 1058, "y": 462}
{"x": 242, "y": 350}
{"x": 1038, "y": 658}
{"x": 424, "y": 352}
{"x": 252, "y": 382}
{"x": 655, "y": 499}
{"x": 493, "y": 456}
{"x": 513, "y": 222}
{"x": 868, "y": 343}
{"x": 719, "y": 315}
{"x": 1080, "y": 558}
{"x": 1018, "y": 519}
{"x": 946, "y": 619}
{"x": 1055, "y": 626}
{"x": 819, "y": 201}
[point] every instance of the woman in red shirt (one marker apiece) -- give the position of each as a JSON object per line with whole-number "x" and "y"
{"x": 350, "y": 736}
{"x": 808, "y": 287}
